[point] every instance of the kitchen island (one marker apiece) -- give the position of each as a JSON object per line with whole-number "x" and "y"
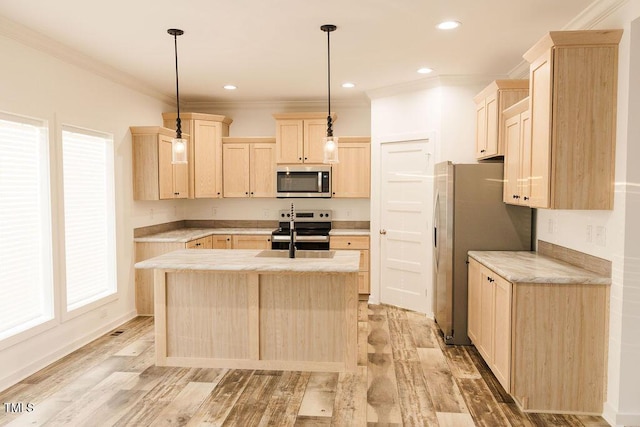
{"x": 253, "y": 309}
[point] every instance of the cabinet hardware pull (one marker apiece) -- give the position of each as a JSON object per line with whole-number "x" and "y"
{"x": 526, "y": 198}
{"x": 482, "y": 151}
{"x": 383, "y": 231}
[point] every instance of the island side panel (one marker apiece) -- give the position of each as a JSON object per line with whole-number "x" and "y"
{"x": 208, "y": 315}
{"x": 160, "y": 320}
{"x": 303, "y": 317}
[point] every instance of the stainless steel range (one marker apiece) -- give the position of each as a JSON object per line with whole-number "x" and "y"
{"x": 312, "y": 230}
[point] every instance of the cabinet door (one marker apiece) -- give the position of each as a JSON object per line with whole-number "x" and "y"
{"x": 262, "y": 176}
{"x": 221, "y": 241}
{"x": 173, "y": 180}
{"x": 540, "y": 101}
{"x": 207, "y": 146}
{"x": 485, "y": 346}
{"x": 250, "y": 241}
{"x": 236, "y": 170}
{"x": 363, "y": 282}
{"x": 352, "y": 176}
{"x": 502, "y": 331}
{"x": 492, "y": 123}
{"x": 512, "y": 159}
{"x": 524, "y": 176}
{"x": 165, "y": 168}
{"x": 289, "y": 138}
{"x": 473, "y": 301}
{"x": 481, "y": 129}
{"x": 315, "y": 131}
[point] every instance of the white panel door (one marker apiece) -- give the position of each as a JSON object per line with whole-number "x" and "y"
{"x": 406, "y": 204}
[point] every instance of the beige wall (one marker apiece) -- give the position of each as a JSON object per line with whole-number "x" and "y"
{"x": 38, "y": 85}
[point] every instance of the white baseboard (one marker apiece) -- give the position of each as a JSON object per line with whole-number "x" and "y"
{"x": 618, "y": 419}
{"x": 52, "y": 356}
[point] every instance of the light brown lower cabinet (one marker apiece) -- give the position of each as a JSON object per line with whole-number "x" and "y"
{"x": 546, "y": 343}
{"x": 146, "y": 250}
{"x": 360, "y": 243}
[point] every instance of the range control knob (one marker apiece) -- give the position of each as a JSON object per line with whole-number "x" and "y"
{"x": 321, "y": 215}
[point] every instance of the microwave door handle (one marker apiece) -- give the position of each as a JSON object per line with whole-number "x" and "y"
{"x": 319, "y": 182}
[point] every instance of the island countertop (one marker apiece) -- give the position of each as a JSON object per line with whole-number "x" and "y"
{"x": 343, "y": 261}
{"x": 531, "y": 267}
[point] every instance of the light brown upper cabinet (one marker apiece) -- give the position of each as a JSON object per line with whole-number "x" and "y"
{"x": 154, "y": 177}
{"x": 351, "y": 177}
{"x": 299, "y": 137}
{"x": 572, "y": 97}
{"x": 517, "y": 156}
{"x": 249, "y": 166}
{"x": 205, "y": 154}
{"x": 490, "y": 103}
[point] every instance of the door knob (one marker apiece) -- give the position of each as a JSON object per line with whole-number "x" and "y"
{"x": 383, "y": 231}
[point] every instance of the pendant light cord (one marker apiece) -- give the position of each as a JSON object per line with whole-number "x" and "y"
{"x": 329, "y": 120}
{"x": 178, "y": 121}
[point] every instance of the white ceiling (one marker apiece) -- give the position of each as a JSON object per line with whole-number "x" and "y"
{"x": 275, "y": 51}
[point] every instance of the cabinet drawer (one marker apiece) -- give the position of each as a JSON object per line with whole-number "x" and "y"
{"x": 202, "y": 243}
{"x": 349, "y": 242}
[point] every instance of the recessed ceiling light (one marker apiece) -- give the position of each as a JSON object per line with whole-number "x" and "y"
{"x": 424, "y": 70}
{"x": 230, "y": 87}
{"x": 348, "y": 85}
{"x": 448, "y": 25}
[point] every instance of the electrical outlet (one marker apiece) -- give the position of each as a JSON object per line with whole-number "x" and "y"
{"x": 103, "y": 313}
{"x": 601, "y": 236}
{"x": 589, "y": 233}
{"x": 151, "y": 213}
{"x": 175, "y": 211}
{"x": 348, "y": 213}
{"x": 214, "y": 212}
{"x": 266, "y": 213}
{"x": 551, "y": 227}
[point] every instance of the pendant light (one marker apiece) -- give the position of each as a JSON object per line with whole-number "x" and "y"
{"x": 330, "y": 142}
{"x": 178, "y": 144}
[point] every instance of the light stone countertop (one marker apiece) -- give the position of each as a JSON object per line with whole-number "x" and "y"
{"x": 530, "y": 267}
{"x": 246, "y": 260}
{"x": 349, "y": 232}
{"x": 183, "y": 235}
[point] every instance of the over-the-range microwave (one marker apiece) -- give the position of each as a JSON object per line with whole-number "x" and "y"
{"x": 303, "y": 181}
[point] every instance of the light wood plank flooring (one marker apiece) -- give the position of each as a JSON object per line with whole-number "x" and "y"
{"x": 406, "y": 376}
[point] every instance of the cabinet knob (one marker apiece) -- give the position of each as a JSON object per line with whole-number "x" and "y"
{"x": 299, "y": 158}
{"x": 482, "y": 151}
{"x": 228, "y": 238}
{"x": 246, "y": 192}
{"x": 305, "y": 158}
{"x": 268, "y": 240}
{"x": 383, "y": 231}
{"x": 334, "y": 193}
{"x": 526, "y": 198}
{"x": 252, "y": 193}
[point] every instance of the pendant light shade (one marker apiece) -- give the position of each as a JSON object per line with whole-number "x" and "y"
{"x": 178, "y": 144}
{"x": 330, "y": 142}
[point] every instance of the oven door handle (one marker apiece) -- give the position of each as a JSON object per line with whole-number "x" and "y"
{"x": 300, "y": 238}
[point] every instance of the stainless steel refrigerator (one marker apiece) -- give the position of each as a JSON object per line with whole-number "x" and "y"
{"x": 469, "y": 214}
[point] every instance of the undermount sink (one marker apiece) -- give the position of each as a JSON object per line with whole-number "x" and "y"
{"x": 299, "y": 254}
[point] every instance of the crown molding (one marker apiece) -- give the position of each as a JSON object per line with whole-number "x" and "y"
{"x": 42, "y": 43}
{"x": 588, "y": 19}
{"x": 595, "y": 13}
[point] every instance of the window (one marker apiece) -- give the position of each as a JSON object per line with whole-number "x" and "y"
{"x": 26, "y": 266}
{"x": 89, "y": 216}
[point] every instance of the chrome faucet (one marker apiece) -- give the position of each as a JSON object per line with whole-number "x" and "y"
{"x": 292, "y": 233}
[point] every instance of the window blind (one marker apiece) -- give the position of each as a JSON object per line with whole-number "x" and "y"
{"x": 26, "y": 266}
{"x": 88, "y": 216}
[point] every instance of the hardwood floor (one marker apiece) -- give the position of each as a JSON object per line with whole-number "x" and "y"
{"x": 406, "y": 376}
